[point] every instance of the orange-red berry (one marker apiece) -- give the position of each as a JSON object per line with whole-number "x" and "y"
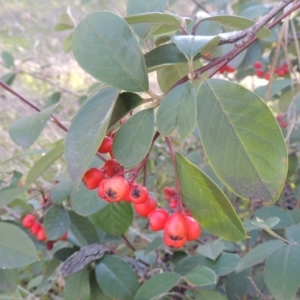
{"x": 173, "y": 243}
{"x": 259, "y": 73}
{"x": 113, "y": 189}
{"x": 106, "y": 145}
{"x": 257, "y": 65}
{"x": 193, "y": 229}
{"x": 157, "y": 219}
{"x": 137, "y": 194}
{"x": 176, "y": 226}
{"x": 145, "y": 208}
{"x": 111, "y": 167}
{"x": 64, "y": 237}
{"x": 28, "y": 221}
{"x": 169, "y": 192}
{"x": 283, "y": 124}
{"x": 35, "y": 228}
{"x": 230, "y": 69}
{"x": 41, "y": 234}
{"x": 92, "y": 178}
{"x": 267, "y": 76}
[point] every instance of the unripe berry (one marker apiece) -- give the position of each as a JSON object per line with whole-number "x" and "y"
{"x": 113, "y": 189}
{"x": 35, "y": 228}
{"x": 157, "y": 219}
{"x": 145, "y": 208}
{"x": 193, "y": 229}
{"x": 257, "y": 65}
{"x": 92, "y": 178}
{"x": 137, "y": 194}
{"x": 106, "y": 145}
{"x": 41, "y": 234}
{"x": 111, "y": 167}
{"x": 176, "y": 227}
{"x": 173, "y": 243}
{"x": 28, "y": 221}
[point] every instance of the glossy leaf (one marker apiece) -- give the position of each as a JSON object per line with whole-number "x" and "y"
{"x": 133, "y": 140}
{"x": 154, "y": 17}
{"x": 116, "y": 278}
{"x": 96, "y": 292}
{"x": 87, "y": 132}
{"x": 211, "y": 249}
{"x": 65, "y": 22}
{"x": 85, "y": 202}
{"x": 77, "y": 286}
{"x": 178, "y": 112}
{"x": 238, "y": 23}
{"x": 236, "y": 285}
{"x": 7, "y": 195}
{"x": 293, "y": 234}
{"x": 114, "y": 218}
{"x": 16, "y": 248}
{"x": 156, "y": 286}
{"x": 209, "y": 295}
{"x": 201, "y": 276}
{"x": 25, "y": 131}
{"x": 45, "y": 162}
{"x": 56, "y": 222}
{"x": 207, "y": 203}
{"x": 282, "y": 272}
{"x": 242, "y": 140}
{"x": 258, "y": 254}
{"x": 116, "y": 61}
{"x": 190, "y": 45}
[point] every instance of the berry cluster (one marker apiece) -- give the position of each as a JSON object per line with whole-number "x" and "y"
{"x": 282, "y": 123}
{"x": 37, "y": 229}
{"x": 111, "y": 185}
{"x": 280, "y": 71}
{"x": 227, "y": 69}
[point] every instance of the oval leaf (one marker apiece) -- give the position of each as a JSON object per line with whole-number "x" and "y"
{"x": 8, "y": 280}
{"x": 178, "y": 111}
{"x": 16, "y": 248}
{"x": 207, "y": 203}
{"x": 114, "y": 218}
{"x": 242, "y": 140}
{"x": 201, "y": 276}
{"x": 156, "y": 286}
{"x": 105, "y": 47}
{"x": 87, "y": 132}
{"x": 25, "y": 131}
{"x": 133, "y": 140}
{"x": 7, "y": 195}
{"x": 116, "y": 278}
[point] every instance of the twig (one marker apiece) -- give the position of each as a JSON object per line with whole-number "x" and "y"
{"x": 262, "y": 296}
{"x": 128, "y": 243}
{"x": 200, "y": 6}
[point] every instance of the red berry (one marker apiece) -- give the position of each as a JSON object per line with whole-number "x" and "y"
{"x": 28, "y": 221}
{"x": 145, "y": 208}
{"x": 113, "y": 189}
{"x": 283, "y": 124}
{"x": 267, "y": 76}
{"x": 176, "y": 226}
{"x": 173, "y": 243}
{"x": 41, "y": 234}
{"x": 157, "y": 219}
{"x": 259, "y": 73}
{"x": 49, "y": 245}
{"x": 35, "y": 228}
{"x": 193, "y": 228}
{"x": 280, "y": 72}
{"x": 92, "y": 178}
{"x": 230, "y": 69}
{"x": 111, "y": 167}
{"x": 106, "y": 145}
{"x": 279, "y": 117}
{"x": 223, "y": 70}
{"x": 173, "y": 203}
{"x": 64, "y": 237}
{"x": 137, "y": 194}
{"x": 257, "y": 65}
{"x": 169, "y": 192}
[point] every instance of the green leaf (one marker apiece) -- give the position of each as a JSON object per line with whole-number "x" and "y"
{"x": 268, "y": 223}
{"x": 293, "y": 234}
{"x": 137, "y": 6}
{"x": 276, "y": 86}
{"x": 155, "y": 244}
{"x": 239, "y": 23}
{"x": 77, "y": 286}
{"x": 201, "y": 276}
{"x": 258, "y": 254}
{"x": 8, "y": 59}
{"x": 282, "y": 272}
{"x": 67, "y": 43}
{"x": 154, "y": 17}
{"x": 82, "y": 229}
{"x": 207, "y": 203}
{"x": 56, "y": 222}
{"x": 134, "y": 139}
{"x": 156, "y": 286}
{"x": 52, "y": 99}
{"x": 105, "y": 47}
{"x": 8, "y": 280}
{"x": 96, "y": 292}
{"x": 178, "y": 111}
{"x": 116, "y": 278}
{"x": 65, "y": 22}
{"x": 85, "y": 202}
{"x": 209, "y": 295}
{"x": 236, "y": 285}
{"x": 7, "y": 195}
{"x": 61, "y": 190}
{"x": 50, "y": 267}
{"x": 25, "y": 131}
{"x": 190, "y": 45}
{"x": 44, "y": 163}
{"x": 267, "y": 212}
{"x": 16, "y": 248}
{"x": 211, "y": 249}
{"x": 87, "y": 132}
{"x": 9, "y": 78}
{"x": 114, "y": 218}
{"x": 242, "y": 140}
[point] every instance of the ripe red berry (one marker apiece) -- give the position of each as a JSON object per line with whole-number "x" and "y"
{"x": 157, "y": 219}
{"x": 257, "y": 65}
{"x": 193, "y": 229}
{"x": 41, "y": 234}
{"x": 64, "y": 237}
{"x": 176, "y": 227}
{"x": 92, "y": 178}
{"x": 267, "y": 76}
{"x": 111, "y": 167}
{"x": 279, "y": 117}
{"x": 137, "y": 194}
{"x": 145, "y": 208}
{"x": 230, "y": 69}
{"x": 169, "y": 192}
{"x": 113, "y": 189}
{"x": 49, "y": 245}
{"x": 259, "y": 73}
{"x": 173, "y": 243}
{"x": 280, "y": 72}
{"x": 35, "y": 228}
{"x": 283, "y": 124}
{"x": 106, "y": 145}
{"x": 173, "y": 202}
{"x": 28, "y": 221}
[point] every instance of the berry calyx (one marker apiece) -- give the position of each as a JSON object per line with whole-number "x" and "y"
{"x": 173, "y": 243}
{"x": 145, "y": 208}
{"x": 137, "y": 194}
{"x": 92, "y": 178}
{"x": 193, "y": 229}
{"x": 176, "y": 226}
{"x": 113, "y": 189}
{"x": 35, "y": 228}
{"x": 106, "y": 145}
{"x": 41, "y": 234}
{"x": 28, "y": 221}
{"x": 157, "y": 219}
{"x": 111, "y": 167}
